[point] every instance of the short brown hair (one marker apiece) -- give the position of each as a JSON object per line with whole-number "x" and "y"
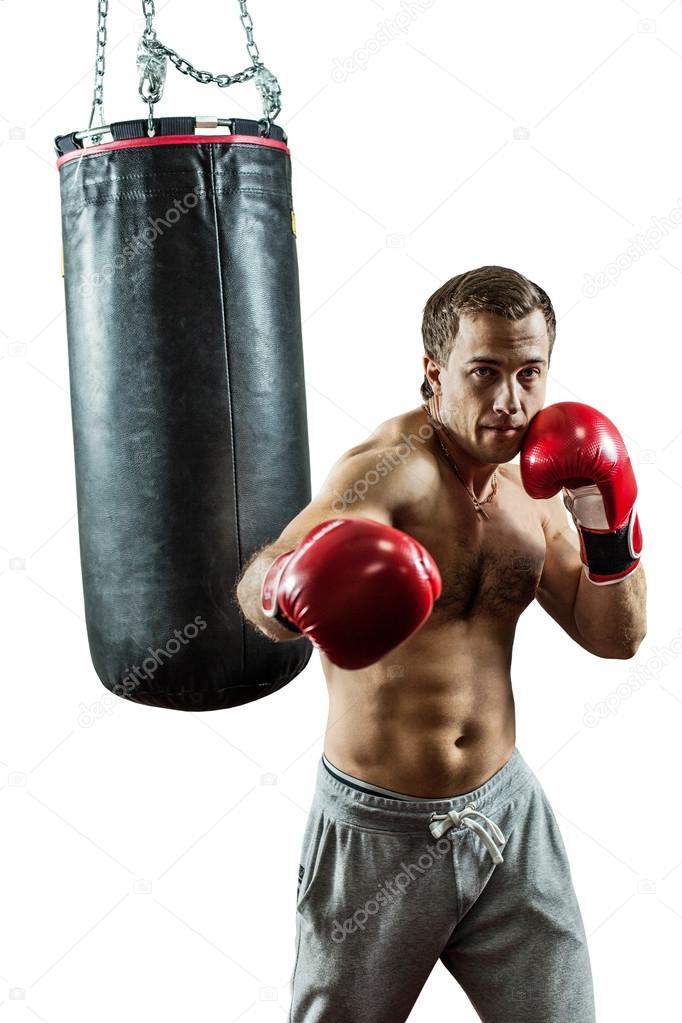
{"x": 494, "y": 289}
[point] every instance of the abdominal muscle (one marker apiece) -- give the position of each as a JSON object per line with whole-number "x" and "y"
{"x": 434, "y": 718}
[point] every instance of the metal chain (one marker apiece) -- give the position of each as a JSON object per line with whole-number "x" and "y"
{"x": 100, "y": 59}
{"x": 251, "y": 47}
{"x": 266, "y": 83}
{"x": 149, "y": 13}
{"x": 205, "y": 77}
{"x": 151, "y": 63}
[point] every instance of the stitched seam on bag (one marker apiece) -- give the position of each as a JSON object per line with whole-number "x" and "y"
{"x": 179, "y": 693}
{"x": 175, "y": 173}
{"x": 195, "y": 145}
{"x": 223, "y": 307}
{"x": 103, "y": 200}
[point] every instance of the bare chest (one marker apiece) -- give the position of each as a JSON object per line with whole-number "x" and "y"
{"x": 489, "y": 567}
{"x": 492, "y": 578}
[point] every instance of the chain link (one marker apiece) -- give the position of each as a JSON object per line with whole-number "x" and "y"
{"x": 251, "y": 47}
{"x": 205, "y": 77}
{"x": 149, "y": 13}
{"x": 100, "y": 61}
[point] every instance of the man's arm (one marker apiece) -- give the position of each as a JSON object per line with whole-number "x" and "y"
{"x": 345, "y": 493}
{"x": 608, "y": 621}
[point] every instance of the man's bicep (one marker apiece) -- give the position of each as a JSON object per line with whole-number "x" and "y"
{"x": 368, "y": 493}
{"x": 558, "y": 586}
{"x": 360, "y": 484}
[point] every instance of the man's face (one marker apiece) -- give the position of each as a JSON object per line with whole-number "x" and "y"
{"x": 495, "y": 377}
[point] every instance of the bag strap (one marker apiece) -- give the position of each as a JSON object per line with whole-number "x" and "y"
{"x": 137, "y": 129}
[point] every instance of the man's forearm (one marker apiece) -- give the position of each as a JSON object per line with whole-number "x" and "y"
{"x": 249, "y": 594}
{"x": 612, "y": 618}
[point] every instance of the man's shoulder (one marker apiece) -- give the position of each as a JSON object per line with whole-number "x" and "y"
{"x": 512, "y": 472}
{"x": 406, "y": 440}
{"x": 395, "y": 460}
{"x": 410, "y": 427}
{"x": 550, "y": 511}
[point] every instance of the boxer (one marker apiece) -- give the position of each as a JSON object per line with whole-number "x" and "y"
{"x": 429, "y": 836}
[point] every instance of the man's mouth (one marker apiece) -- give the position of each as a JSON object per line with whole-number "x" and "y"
{"x": 504, "y": 431}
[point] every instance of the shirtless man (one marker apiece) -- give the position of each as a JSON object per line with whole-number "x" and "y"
{"x": 429, "y": 836}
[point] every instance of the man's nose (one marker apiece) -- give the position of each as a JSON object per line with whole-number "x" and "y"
{"x": 508, "y": 399}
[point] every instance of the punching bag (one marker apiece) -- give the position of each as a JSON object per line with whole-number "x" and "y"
{"x": 187, "y": 399}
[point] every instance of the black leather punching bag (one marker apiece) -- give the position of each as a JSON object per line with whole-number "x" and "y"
{"x": 188, "y": 401}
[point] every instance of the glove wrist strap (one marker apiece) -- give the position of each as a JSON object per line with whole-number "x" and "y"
{"x": 268, "y": 596}
{"x": 610, "y": 555}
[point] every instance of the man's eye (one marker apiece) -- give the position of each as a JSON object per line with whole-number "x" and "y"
{"x": 531, "y": 370}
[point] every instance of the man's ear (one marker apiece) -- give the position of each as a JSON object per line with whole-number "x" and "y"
{"x": 434, "y": 377}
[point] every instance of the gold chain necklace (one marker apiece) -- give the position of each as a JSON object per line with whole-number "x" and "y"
{"x": 478, "y": 505}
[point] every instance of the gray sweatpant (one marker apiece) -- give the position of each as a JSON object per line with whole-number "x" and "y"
{"x": 480, "y": 881}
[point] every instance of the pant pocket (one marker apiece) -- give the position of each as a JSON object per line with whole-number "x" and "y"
{"x": 316, "y": 831}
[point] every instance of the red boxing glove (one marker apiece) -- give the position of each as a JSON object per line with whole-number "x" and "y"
{"x": 573, "y": 446}
{"x": 355, "y": 587}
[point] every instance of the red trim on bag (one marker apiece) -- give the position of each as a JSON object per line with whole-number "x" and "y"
{"x": 170, "y": 140}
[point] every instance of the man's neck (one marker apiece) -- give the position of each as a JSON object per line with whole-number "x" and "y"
{"x": 475, "y": 475}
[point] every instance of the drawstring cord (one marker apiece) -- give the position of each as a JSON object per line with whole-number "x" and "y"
{"x": 442, "y": 822}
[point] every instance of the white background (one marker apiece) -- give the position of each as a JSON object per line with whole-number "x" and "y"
{"x": 149, "y": 858}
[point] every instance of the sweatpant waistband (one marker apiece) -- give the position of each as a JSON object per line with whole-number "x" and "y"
{"x": 343, "y": 802}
